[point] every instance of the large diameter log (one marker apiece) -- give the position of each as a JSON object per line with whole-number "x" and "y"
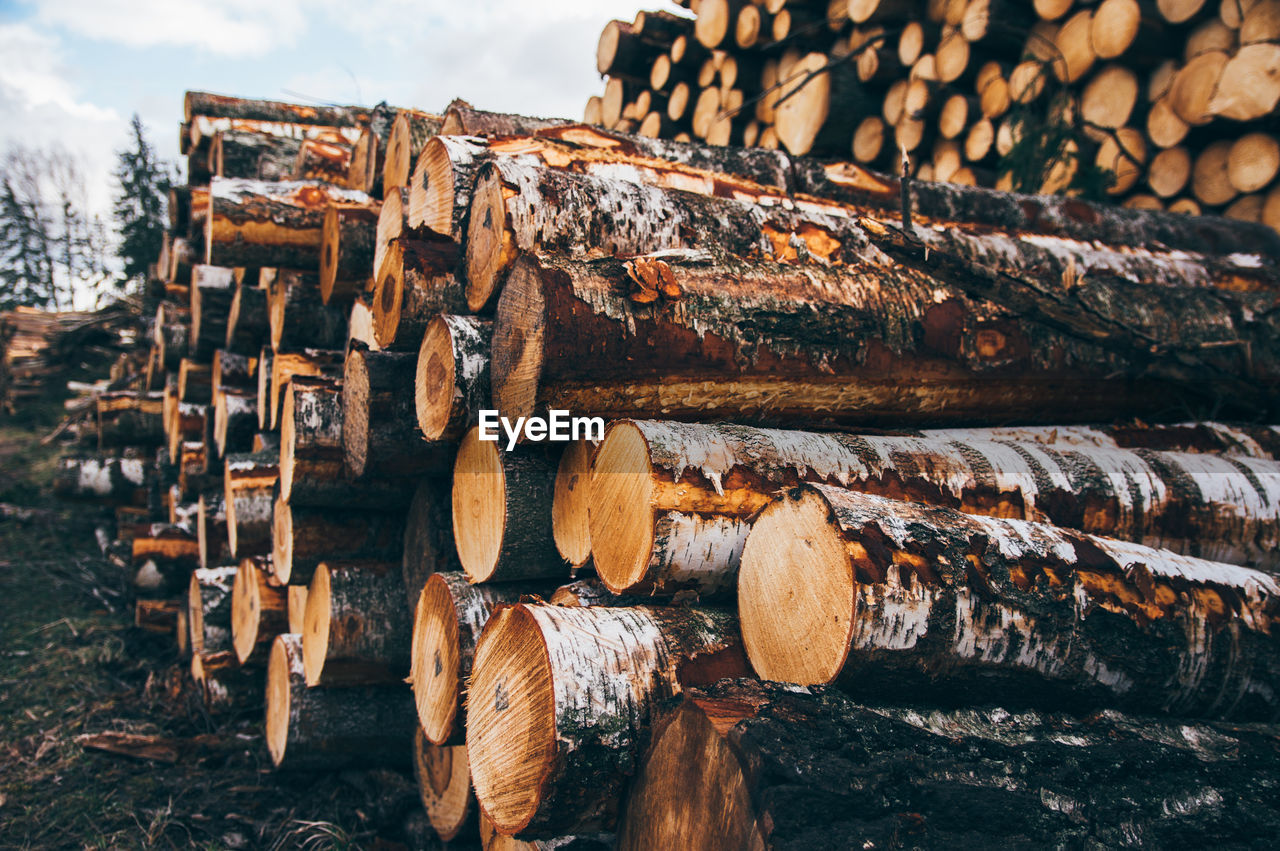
{"x": 259, "y": 610}
{"x": 744, "y": 764}
{"x": 428, "y": 536}
{"x": 211, "y": 528}
{"x": 235, "y": 420}
{"x": 226, "y": 106}
{"x": 417, "y": 281}
{"x": 365, "y": 173}
{"x": 346, "y": 252}
{"x": 299, "y": 317}
{"x": 444, "y": 785}
{"x": 113, "y": 481}
{"x": 561, "y": 699}
{"x": 448, "y": 619}
{"x": 328, "y": 728}
{"x": 451, "y": 379}
{"x": 128, "y": 418}
{"x": 462, "y": 119}
{"x": 356, "y": 629}
{"x": 380, "y": 436}
{"x": 570, "y": 525}
{"x": 302, "y": 538}
{"x": 502, "y": 511}
{"x": 255, "y": 223}
{"x": 671, "y": 503}
{"x": 283, "y": 367}
{"x": 249, "y": 483}
{"x": 248, "y": 321}
{"x": 895, "y": 595}
{"x": 253, "y": 156}
{"x": 567, "y": 334}
{"x": 409, "y": 134}
{"x": 1248, "y": 87}
{"x": 163, "y": 559}
{"x": 209, "y": 609}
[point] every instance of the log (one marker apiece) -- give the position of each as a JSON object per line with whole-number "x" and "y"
{"x": 370, "y": 150}
{"x": 743, "y": 764}
{"x": 571, "y": 502}
{"x": 187, "y": 426}
{"x": 461, "y": 119}
{"x": 623, "y": 53}
{"x": 561, "y": 700}
{"x": 302, "y": 538}
{"x": 1122, "y": 154}
{"x": 328, "y": 162}
{"x": 392, "y": 224}
{"x": 248, "y": 321}
{"x": 231, "y": 370}
{"x": 1253, "y": 161}
{"x": 323, "y": 729}
{"x": 299, "y": 317}
{"x": 409, "y": 134}
{"x": 129, "y": 418}
{"x": 1119, "y": 624}
{"x": 590, "y": 592}
{"x": 346, "y": 253}
{"x": 172, "y": 333}
{"x": 161, "y": 616}
{"x": 556, "y": 335}
{"x": 211, "y": 529}
{"x": 428, "y": 536}
{"x": 296, "y": 595}
{"x": 440, "y": 189}
{"x": 448, "y": 619}
{"x": 1228, "y": 439}
{"x": 1178, "y": 11}
{"x": 277, "y": 371}
{"x": 817, "y": 114}
{"x": 235, "y": 420}
{"x": 356, "y": 630}
{"x": 715, "y": 18}
{"x": 224, "y": 106}
{"x": 256, "y": 223}
{"x": 193, "y": 465}
{"x": 195, "y": 382}
{"x": 360, "y": 326}
{"x": 380, "y": 435}
{"x": 1209, "y": 174}
{"x": 163, "y": 559}
{"x": 249, "y": 482}
{"x": 1191, "y": 92}
{"x": 502, "y": 512}
{"x": 259, "y": 610}
{"x": 1169, "y": 171}
{"x": 418, "y": 280}
{"x": 253, "y": 156}
{"x": 225, "y": 687}
{"x": 1110, "y": 97}
{"x": 209, "y": 609}
{"x": 182, "y": 255}
{"x": 451, "y": 379}
{"x": 444, "y": 785}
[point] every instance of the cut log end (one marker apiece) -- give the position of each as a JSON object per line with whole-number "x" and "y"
{"x": 279, "y": 695}
{"x": 434, "y": 383}
{"x": 436, "y": 660}
{"x": 444, "y": 784}
{"x": 282, "y": 540}
{"x": 620, "y": 527}
{"x": 511, "y": 736}
{"x": 797, "y": 569}
{"x": 315, "y": 626}
{"x": 570, "y": 523}
{"x": 356, "y": 392}
{"x": 490, "y": 243}
{"x": 438, "y": 184}
{"x": 479, "y": 506}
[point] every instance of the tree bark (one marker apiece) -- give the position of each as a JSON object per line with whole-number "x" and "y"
{"x": 742, "y": 764}
{"x": 224, "y": 106}
{"x": 235, "y": 420}
{"x": 163, "y": 559}
{"x": 380, "y": 435}
{"x": 225, "y": 687}
{"x": 929, "y": 599}
{"x": 418, "y": 280}
{"x": 129, "y": 418}
{"x": 346, "y": 256}
{"x": 211, "y": 529}
{"x": 300, "y": 319}
{"x": 451, "y": 379}
{"x": 209, "y": 609}
{"x": 195, "y": 382}
{"x": 325, "y": 161}
{"x": 309, "y": 363}
{"x": 253, "y": 156}
{"x": 304, "y": 537}
{"x": 561, "y": 700}
{"x": 212, "y": 289}
{"x": 249, "y": 484}
{"x": 428, "y": 536}
{"x": 324, "y": 729}
{"x": 172, "y": 333}
{"x": 255, "y": 223}
{"x": 409, "y": 133}
{"x": 356, "y": 630}
{"x": 444, "y": 785}
{"x": 259, "y": 610}
{"x": 1231, "y": 440}
{"x": 248, "y": 321}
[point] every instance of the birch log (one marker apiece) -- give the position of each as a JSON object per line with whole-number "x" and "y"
{"x": 409, "y": 133}
{"x": 225, "y": 106}
{"x": 889, "y": 595}
{"x": 451, "y": 379}
{"x": 462, "y": 119}
{"x": 211, "y": 529}
{"x": 571, "y": 504}
{"x": 253, "y": 156}
{"x": 102, "y": 478}
{"x": 356, "y": 630}
{"x": 284, "y": 367}
{"x": 209, "y": 609}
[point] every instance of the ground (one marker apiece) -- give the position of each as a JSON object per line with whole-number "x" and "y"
{"x": 72, "y": 665}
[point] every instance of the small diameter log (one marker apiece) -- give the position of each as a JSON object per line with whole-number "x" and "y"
{"x": 259, "y": 610}
{"x": 428, "y": 536}
{"x": 622, "y": 53}
{"x": 893, "y": 597}
{"x": 249, "y": 483}
{"x": 296, "y": 597}
{"x": 163, "y": 559}
{"x": 129, "y": 418}
{"x": 212, "y": 289}
{"x": 820, "y": 109}
{"x": 255, "y": 223}
{"x": 108, "y": 480}
{"x": 590, "y": 591}
{"x": 360, "y": 326}
{"x": 449, "y": 616}
{"x": 253, "y": 156}
{"x": 502, "y": 511}
{"x": 440, "y": 188}
{"x": 224, "y": 685}
{"x": 444, "y": 785}
{"x": 235, "y": 420}
{"x": 461, "y": 119}
{"x": 1248, "y": 87}
{"x": 320, "y": 729}
{"x": 209, "y": 609}
{"x": 356, "y": 630}
{"x": 172, "y": 334}
{"x": 211, "y": 529}
{"x": 745, "y": 764}
{"x": 365, "y": 172}
{"x": 571, "y": 503}
{"x": 299, "y": 317}
{"x": 418, "y": 280}
{"x": 304, "y": 537}
{"x": 248, "y": 321}
{"x": 346, "y": 251}
{"x": 224, "y": 106}
{"x": 380, "y": 436}
{"x": 187, "y": 426}
{"x": 284, "y": 367}
{"x": 162, "y": 616}
{"x": 233, "y": 371}
{"x": 324, "y": 161}
{"x": 195, "y": 382}
{"x": 392, "y": 225}
{"x": 451, "y": 381}
{"x": 409, "y": 134}
{"x": 561, "y": 699}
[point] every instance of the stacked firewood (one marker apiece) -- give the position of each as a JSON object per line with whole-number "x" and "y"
{"x": 1163, "y": 105}
{"x": 805, "y": 478}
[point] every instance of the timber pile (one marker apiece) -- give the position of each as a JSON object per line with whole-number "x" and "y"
{"x": 808, "y": 476}
{"x": 1159, "y": 105}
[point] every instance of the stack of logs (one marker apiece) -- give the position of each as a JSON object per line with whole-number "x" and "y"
{"x": 1161, "y": 105}
{"x": 797, "y": 381}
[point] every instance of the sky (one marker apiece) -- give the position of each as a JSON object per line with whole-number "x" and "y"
{"x": 72, "y": 72}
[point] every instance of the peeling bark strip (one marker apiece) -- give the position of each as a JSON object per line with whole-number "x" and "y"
{"x": 451, "y": 379}
{"x": 380, "y": 436}
{"x": 249, "y": 482}
{"x": 448, "y": 619}
{"x": 417, "y": 281}
{"x": 209, "y": 603}
{"x": 129, "y": 418}
{"x": 428, "y": 536}
{"x": 356, "y": 629}
{"x": 744, "y": 764}
{"x": 774, "y": 342}
{"x": 502, "y": 512}
{"x": 300, "y": 319}
{"x": 314, "y": 729}
{"x": 304, "y": 537}
{"x": 346, "y": 250}
{"x": 672, "y": 503}
{"x": 253, "y": 156}
{"x": 259, "y": 610}
{"x": 248, "y": 321}
{"x": 113, "y": 481}
{"x": 561, "y": 700}
{"x": 891, "y": 596}
{"x": 1231, "y": 440}
{"x": 256, "y": 223}
{"x": 444, "y": 785}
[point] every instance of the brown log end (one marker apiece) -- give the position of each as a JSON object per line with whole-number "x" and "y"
{"x": 491, "y": 247}
{"x": 434, "y": 673}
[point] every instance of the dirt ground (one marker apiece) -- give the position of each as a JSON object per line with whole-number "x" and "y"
{"x": 72, "y": 665}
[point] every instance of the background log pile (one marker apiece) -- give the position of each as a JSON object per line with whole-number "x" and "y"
{"x": 936, "y": 457}
{"x": 1158, "y": 105}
